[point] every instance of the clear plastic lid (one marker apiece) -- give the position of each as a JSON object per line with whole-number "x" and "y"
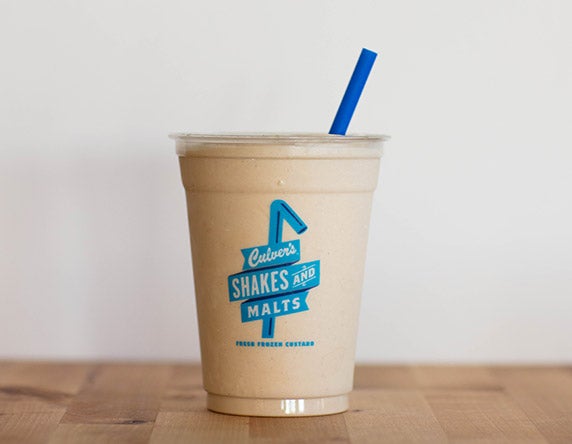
{"x": 278, "y": 145}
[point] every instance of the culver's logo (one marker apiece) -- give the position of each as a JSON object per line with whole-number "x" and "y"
{"x": 272, "y": 283}
{"x": 267, "y": 255}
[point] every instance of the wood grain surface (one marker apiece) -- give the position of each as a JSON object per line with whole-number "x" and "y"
{"x": 43, "y": 402}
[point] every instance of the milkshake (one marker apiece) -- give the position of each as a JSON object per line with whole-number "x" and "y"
{"x": 278, "y": 228}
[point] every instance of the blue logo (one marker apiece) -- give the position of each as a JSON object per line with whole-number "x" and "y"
{"x": 272, "y": 283}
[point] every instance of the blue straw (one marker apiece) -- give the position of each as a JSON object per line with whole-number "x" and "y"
{"x": 353, "y": 92}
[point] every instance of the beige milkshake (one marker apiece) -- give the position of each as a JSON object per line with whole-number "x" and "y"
{"x": 278, "y": 228}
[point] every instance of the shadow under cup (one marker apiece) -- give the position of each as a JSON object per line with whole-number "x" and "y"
{"x": 278, "y": 228}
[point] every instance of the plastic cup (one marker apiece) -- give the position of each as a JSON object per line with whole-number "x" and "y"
{"x": 278, "y": 228}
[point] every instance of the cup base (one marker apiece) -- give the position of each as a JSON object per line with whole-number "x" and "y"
{"x": 277, "y": 407}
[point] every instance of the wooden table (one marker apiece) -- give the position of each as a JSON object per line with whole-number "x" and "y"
{"x": 162, "y": 403}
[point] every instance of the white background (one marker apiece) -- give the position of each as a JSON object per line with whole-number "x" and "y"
{"x": 470, "y": 256}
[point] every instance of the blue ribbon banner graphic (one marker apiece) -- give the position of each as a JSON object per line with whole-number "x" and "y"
{"x": 273, "y": 281}
{"x": 258, "y": 309}
{"x": 272, "y": 284}
{"x": 282, "y": 253}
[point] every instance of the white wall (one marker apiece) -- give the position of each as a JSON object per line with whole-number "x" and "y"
{"x": 471, "y": 247}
